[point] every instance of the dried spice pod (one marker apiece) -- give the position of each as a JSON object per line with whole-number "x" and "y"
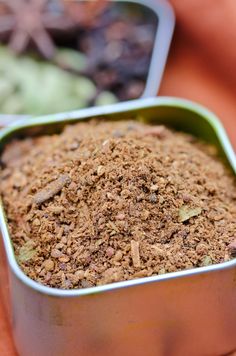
{"x": 29, "y": 21}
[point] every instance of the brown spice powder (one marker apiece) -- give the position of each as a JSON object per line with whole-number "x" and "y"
{"x": 110, "y": 201}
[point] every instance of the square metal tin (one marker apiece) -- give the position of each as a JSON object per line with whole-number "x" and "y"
{"x": 165, "y": 27}
{"x": 192, "y": 312}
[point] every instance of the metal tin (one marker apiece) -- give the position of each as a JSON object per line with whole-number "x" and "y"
{"x": 165, "y": 28}
{"x": 191, "y": 312}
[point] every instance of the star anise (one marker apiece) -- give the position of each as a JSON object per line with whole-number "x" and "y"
{"x": 30, "y": 21}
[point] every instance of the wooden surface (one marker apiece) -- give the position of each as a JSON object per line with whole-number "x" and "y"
{"x": 191, "y": 73}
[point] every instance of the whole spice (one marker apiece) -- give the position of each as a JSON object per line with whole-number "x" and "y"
{"x": 51, "y": 189}
{"x": 29, "y": 21}
{"x": 87, "y": 207}
{"x": 135, "y": 253}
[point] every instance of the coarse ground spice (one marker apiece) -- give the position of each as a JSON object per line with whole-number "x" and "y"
{"x": 110, "y": 201}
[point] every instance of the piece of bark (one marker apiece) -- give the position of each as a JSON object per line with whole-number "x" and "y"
{"x": 51, "y": 189}
{"x": 135, "y": 253}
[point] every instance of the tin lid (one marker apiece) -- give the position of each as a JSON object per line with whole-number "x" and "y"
{"x": 162, "y": 40}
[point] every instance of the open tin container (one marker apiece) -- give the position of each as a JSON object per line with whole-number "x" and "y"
{"x": 165, "y": 18}
{"x": 192, "y": 312}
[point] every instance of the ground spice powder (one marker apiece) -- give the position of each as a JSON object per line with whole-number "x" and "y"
{"x": 109, "y": 201}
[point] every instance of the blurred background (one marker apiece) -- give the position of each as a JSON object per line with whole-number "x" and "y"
{"x": 109, "y": 51}
{"x": 201, "y": 65}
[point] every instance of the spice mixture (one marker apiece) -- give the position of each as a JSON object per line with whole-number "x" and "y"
{"x": 111, "y": 201}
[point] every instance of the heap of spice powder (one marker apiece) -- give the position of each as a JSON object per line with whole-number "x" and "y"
{"x": 103, "y": 202}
